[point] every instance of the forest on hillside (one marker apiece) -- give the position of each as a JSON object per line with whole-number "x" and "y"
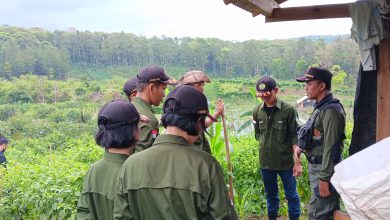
{"x": 53, "y": 84}
{"x": 41, "y": 52}
{"x": 51, "y": 126}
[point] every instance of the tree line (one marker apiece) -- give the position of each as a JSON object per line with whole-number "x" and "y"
{"x": 41, "y": 52}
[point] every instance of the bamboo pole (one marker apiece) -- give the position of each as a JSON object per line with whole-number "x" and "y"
{"x": 231, "y": 194}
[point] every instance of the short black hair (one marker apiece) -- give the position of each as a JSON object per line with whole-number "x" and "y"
{"x": 129, "y": 93}
{"x": 328, "y": 84}
{"x": 121, "y": 137}
{"x": 186, "y": 123}
{"x": 3, "y": 140}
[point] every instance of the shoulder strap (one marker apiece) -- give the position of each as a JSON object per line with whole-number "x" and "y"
{"x": 335, "y": 104}
{"x": 317, "y": 111}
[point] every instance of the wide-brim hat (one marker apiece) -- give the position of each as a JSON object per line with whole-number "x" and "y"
{"x": 189, "y": 101}
{"x": 194, "y": 76}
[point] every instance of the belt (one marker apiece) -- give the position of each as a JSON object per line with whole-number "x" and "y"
{"x": 314, "y": 159}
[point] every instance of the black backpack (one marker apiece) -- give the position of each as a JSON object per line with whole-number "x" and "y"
{"x": 305, "y": 132}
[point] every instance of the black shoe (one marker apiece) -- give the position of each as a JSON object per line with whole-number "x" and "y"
{"x": 272, "y": 217}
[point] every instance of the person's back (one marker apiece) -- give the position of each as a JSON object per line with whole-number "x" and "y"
{"x": 198, "y": 79}
{"x": 118, "y": 133}
{"x": 178, "y": 186}
{"x": 99, "y": 187}
{"x": 171, "y": 179}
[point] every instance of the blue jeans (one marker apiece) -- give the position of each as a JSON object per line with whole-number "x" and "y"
{"x": 270, "y": 179}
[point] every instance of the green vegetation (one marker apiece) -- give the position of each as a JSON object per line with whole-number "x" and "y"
{"x": 51, "y": 125}
{"x": 53, "y": 83}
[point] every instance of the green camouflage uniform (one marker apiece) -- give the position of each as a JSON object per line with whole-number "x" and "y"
{"x": 100, "y": 185}
{"x": 149, "y": 131}
{"x": 171, "y": 181}
{"x": 328, "y": 129}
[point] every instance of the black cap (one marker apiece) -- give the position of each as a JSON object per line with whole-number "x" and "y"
{"x": 316, "y": 73}
{"x": 117, "y": 113}
{"x": 265, "y": 85}
{"x": 189, "y": 100}
{"x": 130, "y": 86}
{"x": 153, "y": 73}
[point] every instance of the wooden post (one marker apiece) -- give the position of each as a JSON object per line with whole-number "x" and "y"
{"x": 383, "y": 94}
{"x": 230, "y": 169}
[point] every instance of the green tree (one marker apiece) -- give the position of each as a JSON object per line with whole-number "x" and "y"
{"x": 279, "y": 68}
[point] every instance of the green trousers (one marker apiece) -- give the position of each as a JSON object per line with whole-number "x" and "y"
{"x": 320, "y": 208}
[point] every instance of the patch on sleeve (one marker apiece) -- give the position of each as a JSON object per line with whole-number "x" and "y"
{"x": 316, "y": 133}
{"x": 154, "y": 133}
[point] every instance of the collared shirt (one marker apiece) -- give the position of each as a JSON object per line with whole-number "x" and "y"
{"x": 328, "y": 129}
{"x": 202, "y": 144}
{"x": 100, "y": 185}
{"x": 149, "y": 130}
{"x": 276, "y": 134}
{"x": 171, "y": 180}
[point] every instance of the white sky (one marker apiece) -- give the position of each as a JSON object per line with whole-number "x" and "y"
{"x": 172, "y": 18}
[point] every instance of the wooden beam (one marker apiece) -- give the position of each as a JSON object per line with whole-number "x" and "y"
{"x": 309, "y": 12}
{"x": 280, "y": 1}
{"x": 256, "y": 7}
{"x": 383, "y": 95}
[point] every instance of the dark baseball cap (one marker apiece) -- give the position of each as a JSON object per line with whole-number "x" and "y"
{"x": 153, "y": 73}
{"x": 194, "y": 76}
{"x": 265, "y": 85}
{"x": 316, "y": 73}
{"x": 190, "y": 101}
{"x": 130, "y": 86}
{"x": 118, "y": 113}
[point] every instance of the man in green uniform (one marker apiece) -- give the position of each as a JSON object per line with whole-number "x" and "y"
{"x": 323, "y": 142}
{"x": 118, "y": 133}
{"x": 172, "y": 180}
{"x": 130, "y": 88}
{"x": 151, "y": 84}
{"x": 275, "y": 129}
{"x": 198, "y": 79}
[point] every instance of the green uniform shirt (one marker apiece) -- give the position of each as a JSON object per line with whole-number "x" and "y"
{"x": 276, "y": 135}
{"x": 172, "y": 181}
{"x": 202, "y": 144}
{"x": 149, "y": 131}
{"x": 100, "y": 185}
{"x": 328, "y": 128}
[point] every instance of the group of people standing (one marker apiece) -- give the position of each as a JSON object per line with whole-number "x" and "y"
{"x": 174, "y": 176}
{"x": 281, "y": 144}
